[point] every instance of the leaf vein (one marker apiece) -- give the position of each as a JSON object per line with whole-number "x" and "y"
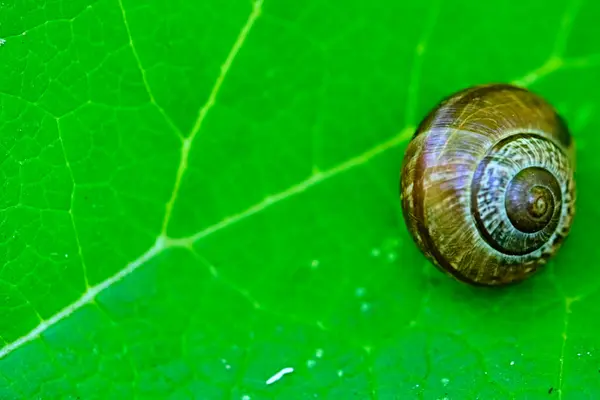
{"x": 164, "y": 242}
{"x": 85, "y": 299}
{"x": 415, "y": 71}
{"x": 187, "y": 142}
{"x": 568, "y": 302}
{"x": 71, "y": 201}
{"x": 298, "y": 188}
{"x": 556, "y": 58}
{"x": 160, "y": 244}
{"x": 144, "y": 74}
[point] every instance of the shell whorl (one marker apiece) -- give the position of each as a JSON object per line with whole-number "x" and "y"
{"x": 487, "y": 184}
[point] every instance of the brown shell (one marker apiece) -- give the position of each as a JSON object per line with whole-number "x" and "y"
{"x": 487, "y": 184}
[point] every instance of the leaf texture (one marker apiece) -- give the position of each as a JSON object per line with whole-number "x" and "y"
{"x": 200, "y": 200}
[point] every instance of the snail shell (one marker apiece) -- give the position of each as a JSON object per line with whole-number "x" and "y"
{"x": 487, "y": 184}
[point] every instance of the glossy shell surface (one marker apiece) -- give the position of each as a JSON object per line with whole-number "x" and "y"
{"x": 487, "y": 185}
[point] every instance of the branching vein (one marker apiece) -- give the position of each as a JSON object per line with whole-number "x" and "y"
{"x": 163, "y": 242}
{"x": 71, "y": 216}
{"x": 556, "y": 58}
{"x": 160, "y": 243}
{"x": 144, "y": 73}
{"x": 187, "y": 142}
{"x": 566, "y": 24}
{"x": 86, "y": 298}
{"x": 314, "y": 179}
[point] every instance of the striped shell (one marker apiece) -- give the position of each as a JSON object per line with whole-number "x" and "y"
{"x": 487, "y": 184}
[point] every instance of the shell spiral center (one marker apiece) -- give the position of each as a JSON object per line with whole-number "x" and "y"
{"x": 517, "y": 193}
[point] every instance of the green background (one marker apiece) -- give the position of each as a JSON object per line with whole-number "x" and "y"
{"x": 198, "y": 194}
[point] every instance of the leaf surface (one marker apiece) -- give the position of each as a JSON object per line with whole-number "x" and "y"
{"x": 200, "y": 200}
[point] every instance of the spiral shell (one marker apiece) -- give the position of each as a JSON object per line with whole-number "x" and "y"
{"x": 487, "y": 185}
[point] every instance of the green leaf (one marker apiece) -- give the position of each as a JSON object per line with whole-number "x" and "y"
{"x": 199, "y": 197}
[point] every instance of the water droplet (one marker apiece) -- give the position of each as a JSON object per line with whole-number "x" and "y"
{"x": 578, "y": 354}
{"x": 364, "y": 307}
{"x": 314, "y": 264}
{"x": 360, "y": 291}
{"x": 245, "y": 397}
{"x": 319, "y": 353}
{"x": 512, "y": 363}
{"x": 311, "y": 363}
{"x": 392, "y": 257}
{"x": 375, "y": 252}
{"x": 445, "y": 381}
{"x": 340, "y": 373}
{"x": 2, "y": 42}
{"x": 227, "y": 366}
